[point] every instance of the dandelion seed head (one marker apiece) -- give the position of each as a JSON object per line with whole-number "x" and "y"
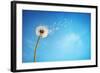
{"x": 42, "y": 31}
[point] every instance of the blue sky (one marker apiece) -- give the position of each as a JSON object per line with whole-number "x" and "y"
{"x": 68, "y": 38}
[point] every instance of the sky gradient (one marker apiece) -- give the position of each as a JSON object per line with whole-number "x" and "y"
{"x": 68, "y": 38}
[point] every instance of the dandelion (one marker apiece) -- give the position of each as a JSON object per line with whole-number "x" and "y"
{"x": 41, "y": 32}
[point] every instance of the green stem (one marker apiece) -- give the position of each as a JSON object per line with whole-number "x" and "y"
{"x": 36, "y": 48}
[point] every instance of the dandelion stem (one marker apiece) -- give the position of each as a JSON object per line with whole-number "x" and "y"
{"x": 36, "y": 48}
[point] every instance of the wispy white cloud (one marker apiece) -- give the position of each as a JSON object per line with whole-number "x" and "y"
{"x": 69, "y": 40}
